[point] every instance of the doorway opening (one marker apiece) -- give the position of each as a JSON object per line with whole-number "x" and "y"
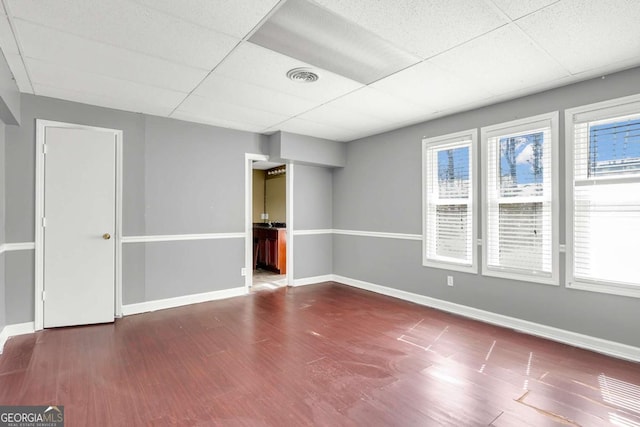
{"x": 269, "y": 226}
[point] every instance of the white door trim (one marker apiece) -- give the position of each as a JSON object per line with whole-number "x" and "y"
{"x": 41, "y": 126}
{"x": 290, "y": 232}
{"x": 249, "y": 158}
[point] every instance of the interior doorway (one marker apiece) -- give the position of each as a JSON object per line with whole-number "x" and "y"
{"x": 269, "y": 226}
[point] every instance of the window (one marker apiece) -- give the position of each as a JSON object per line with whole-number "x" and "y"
{"x": 603, "y": 189}
{"x": 449, "y": 194}
{"x": 520, "y": 185}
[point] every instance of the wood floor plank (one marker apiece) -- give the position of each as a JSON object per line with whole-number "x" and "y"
{"x": 319, "y": 355}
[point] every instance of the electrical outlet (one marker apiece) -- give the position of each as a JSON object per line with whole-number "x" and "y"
{"x": 264, "y": 216}
{"x": 449, "y": 280}
{"x": 243, "y": 271}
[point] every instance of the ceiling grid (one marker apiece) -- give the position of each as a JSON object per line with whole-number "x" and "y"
{"x": 381, "y": 65}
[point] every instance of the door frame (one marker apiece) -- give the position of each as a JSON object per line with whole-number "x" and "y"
{"x": 41, "y": 126}
{"x": 249, "y": 158}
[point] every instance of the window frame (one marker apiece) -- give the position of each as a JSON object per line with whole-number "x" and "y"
{"x": 610, "y": 109}
{"x": 452, "y": 139}
{"x": 513, "y": 127}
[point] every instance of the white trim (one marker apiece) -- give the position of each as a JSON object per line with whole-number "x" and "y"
{"x": 13, "y": 330}
{"x": 613, "y": 108}
{"x": 249, "y": 158}
{"x": 119, "y": 207}
{"x": 469, "y": 137}
{"x": 312, "y": 232}
{"x": 599, "y": 345}
{"x": 41, "y": 125}
{"x": 290, "y": 231}
{"x": 583, "y": 114}
{"x": 313, "y": 280}
{"x": 22, "y": 246}
{"x": 384, "y": 235}
{"x": 161, "y": 304}
{"x": 181, "y": 237}
{"x": 516, "y": 126}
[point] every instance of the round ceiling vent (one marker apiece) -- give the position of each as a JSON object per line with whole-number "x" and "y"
{"x": 302, "y": 75}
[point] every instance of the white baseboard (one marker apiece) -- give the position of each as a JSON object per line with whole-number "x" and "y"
{"x": 599, "y": 345}
{"x": 161, "y": 304}
{"x": 12, "y": 330}
{"x": 313, "y": 280}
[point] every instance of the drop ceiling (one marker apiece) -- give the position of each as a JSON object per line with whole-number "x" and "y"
{"x": 382, "y": 65}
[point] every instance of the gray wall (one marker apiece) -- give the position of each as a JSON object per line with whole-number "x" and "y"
{"x": 9, "y": 94}
{"x": 380, "y": 190}
{"x": 194, "y": 184}
{"x": 2, "y": 233}
{"x": 312, "y": 210}
{"x": 178, "y": 178}
{"x": 20, "y": 161}
{"x": 307, "y": 149}
{"x": 19, "y": 286}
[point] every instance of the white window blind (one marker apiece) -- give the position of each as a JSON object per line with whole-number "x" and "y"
{"x": 449, "y": 193}
{"x": 606, "y": 198}
{"x": 519, "y": 186}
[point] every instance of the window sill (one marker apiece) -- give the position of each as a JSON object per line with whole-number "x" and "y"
{"x": 544, "y": 280}
{"x": 604, "y": 288}
{"x": 473, "y": 269}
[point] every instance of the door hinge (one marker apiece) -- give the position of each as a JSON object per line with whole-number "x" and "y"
{"x": 44, "y": 148}
{"x": 44, "y": 222}
{"x": 43, "y": 295}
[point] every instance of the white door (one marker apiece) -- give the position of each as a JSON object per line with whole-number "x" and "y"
{"x": 79, "y": 241}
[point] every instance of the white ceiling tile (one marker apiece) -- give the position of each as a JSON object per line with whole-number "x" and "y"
{"x": 306, "y": 127}
{"x": 587, "y": 34}
{"x": 223, "y": 89}
{"x": 423, "y": 27}
{"x": 81, "y": 54}
{"x": 375, "y": 103}
{"x": 502, "y": 61}
{"x": 432, "y": 87}
{"x": 131, "y": 26}
{"x": 12, "y": 55}
{"x": 230, "y": 124}
{"x": 19, "y": 72}
{"x": 146, "y": 106}
{"x": 259, "y": 66}
{"x": 340, "y": 118}
{"x": 520, "y": 8}
{"x": 75, "y": 85}
{"x": 369, "y": 132}
{"x": 234, "y": 17}
{"x": 7, "y": 41}
{"x": 214, "y": 110}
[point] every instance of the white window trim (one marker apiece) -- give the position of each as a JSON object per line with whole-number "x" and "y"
{"x": 473, "y": 155}
{"x": 611, "y": 108}
{"x": 514, "y": 127}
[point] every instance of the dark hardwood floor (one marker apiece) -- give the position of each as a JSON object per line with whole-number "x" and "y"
{"x": 326, "y": 355}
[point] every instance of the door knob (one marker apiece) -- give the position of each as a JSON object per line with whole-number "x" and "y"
{"x": 106, "y": 236}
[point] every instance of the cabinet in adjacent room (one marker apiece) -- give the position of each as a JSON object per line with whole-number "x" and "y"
{"x": 271, "y": 249}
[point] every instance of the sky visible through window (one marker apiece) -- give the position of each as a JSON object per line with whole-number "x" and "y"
{"x": 453, "y": 164}
{"x": 521, "y": 159}
{"x": 614, "y": 148}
